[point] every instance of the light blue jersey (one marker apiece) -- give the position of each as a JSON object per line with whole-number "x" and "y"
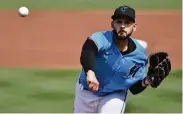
{"x": 113, "y": 70}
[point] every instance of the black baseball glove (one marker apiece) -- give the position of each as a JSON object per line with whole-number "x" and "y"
{"x": 159, "y": 68}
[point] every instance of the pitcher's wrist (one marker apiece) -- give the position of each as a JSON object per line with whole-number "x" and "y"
{"x": 145, "y": 82}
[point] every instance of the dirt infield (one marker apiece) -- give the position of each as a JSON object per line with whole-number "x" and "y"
{"x": 54, "y": 38}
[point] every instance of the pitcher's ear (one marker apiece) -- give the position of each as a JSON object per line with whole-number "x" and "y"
{"x": 135, "y": 27}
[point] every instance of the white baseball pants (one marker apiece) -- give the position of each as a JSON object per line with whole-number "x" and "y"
{"x": 87, "y": 102}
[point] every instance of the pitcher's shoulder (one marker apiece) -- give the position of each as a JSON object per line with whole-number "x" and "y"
{"x": 102, "y": 34}
{"x": 103, "y": 39}
{"x": 140, "y": 44}
{"x": 105, "y": 36}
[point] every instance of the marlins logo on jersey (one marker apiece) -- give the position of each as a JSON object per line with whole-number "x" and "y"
{"x": 133, "y": 70}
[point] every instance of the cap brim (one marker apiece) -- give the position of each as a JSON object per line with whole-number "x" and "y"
{"x": 123, "y": 16}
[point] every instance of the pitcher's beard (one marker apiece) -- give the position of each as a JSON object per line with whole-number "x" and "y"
{"x": 121, "y": 37}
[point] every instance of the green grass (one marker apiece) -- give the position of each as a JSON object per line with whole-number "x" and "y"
{"x": 90, "y": 4}
{"x": 165, "y": 99}
{"x": 52, "y": 91}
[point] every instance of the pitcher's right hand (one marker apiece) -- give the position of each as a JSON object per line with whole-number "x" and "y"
{"x": 92, "y": 81}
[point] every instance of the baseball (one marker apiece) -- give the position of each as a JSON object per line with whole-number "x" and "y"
{"x": 23, "y": 11}
{"x": 143, "y": 43}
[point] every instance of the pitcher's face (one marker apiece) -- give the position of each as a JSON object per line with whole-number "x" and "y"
{"x": 123, "y": 27}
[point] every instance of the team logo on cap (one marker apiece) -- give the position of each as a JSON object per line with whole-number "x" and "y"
{"x": 123, "y": 8}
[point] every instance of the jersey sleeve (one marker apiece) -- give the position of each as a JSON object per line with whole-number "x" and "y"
{"x": 100, "y": 40}
{"x": 143, "y": 70}
{"x": 142, "y": 73}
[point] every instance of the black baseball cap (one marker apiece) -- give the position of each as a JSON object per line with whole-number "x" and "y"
{"x": 124, "y": 11}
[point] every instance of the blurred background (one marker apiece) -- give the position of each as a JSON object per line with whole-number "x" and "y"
{"x": 39, "y": 62}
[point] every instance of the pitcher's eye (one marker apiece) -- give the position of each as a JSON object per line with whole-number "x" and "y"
{"x": 119, "y": 22}
{"x": 127, "y": 22}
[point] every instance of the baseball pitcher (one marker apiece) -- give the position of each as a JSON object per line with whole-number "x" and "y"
{"x": 114, "y": 64}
